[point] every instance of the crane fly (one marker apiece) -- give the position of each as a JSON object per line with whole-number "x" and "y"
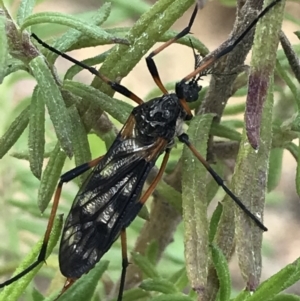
{"x": 111, "y": 197}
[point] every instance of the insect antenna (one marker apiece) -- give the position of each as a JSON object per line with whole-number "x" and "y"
{"x": 206, "y": 63}
{"x": 114, "y": 85}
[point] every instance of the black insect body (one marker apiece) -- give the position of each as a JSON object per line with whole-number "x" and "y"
{"x": 111, "y": 197}
{"x": 158, "y": 118}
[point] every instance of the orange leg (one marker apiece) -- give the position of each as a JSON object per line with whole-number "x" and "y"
{"x": 149, "y": 59}
{"x": 68, "y": 176}
{"x": 123, "y": 233}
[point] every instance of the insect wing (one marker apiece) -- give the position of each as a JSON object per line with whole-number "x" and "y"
{"x": 107, "y": 203}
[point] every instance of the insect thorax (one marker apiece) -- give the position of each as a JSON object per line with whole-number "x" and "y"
{"x": 157, "y": 118}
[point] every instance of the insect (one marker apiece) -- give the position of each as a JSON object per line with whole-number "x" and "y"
{"x": 111, "y": 197}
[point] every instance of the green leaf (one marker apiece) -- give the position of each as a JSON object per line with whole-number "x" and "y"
{"x": 24, "y": 155}
{"x": 235, "y": 109}
{"x": 144, "y": 213}
{"x": 25, "y": 10}
{"x": 287, "y": 78}
{"x": 228, "y": 3}
{"x": 133, "y": 294}
{"x": 27, "y": 207}
{"x": 72, "y": 71}
{"x": 145, "y": 265}
{"x": 152, "y": 252}
{"x": 142, "y": 36}
{"x": 249, "y": 184}
{"x": 84, "y": 27}
{"x": 223, "y": 273}
{"x": 194, "y": 203}
{"x": 275, "y": 168}
{"x": 80, "y": 141}
{"x": 286, "y": 297}
{"x": 298, "y": 170}
{"x": 53, "y": 99}
{"x": 240, "y": 93}
{"x": 83, "y": 289}
{"x": 36, "y": 135}
{"x": 16, "y": 289}
{"x": 4, "y": 51}
{"x": 50, "y": 177}
{"x": 158, "y": 285}
{"x": 173, "y": 196}
{"x": 14, "y": 131}
{"x": 36, "y": 295}
{"x": 212, "y": 186}
{"x": 71, "y": 37}
{"x": 12, "y": 65}
{"x": 293, "y": 149}
{"x": 243, "y": 296}
{"x": 133, "y": 7}
{"x": 260, "y": 77}
{"x": 118, "y": 109}
{"x": 214, "y": 222}
{"x": 233, "y": 124}
{"x": 223, "y": 131}
{"x": 180, "y": 279}
{"x": 285, "y": 278}
{"x": 172, "y": 297}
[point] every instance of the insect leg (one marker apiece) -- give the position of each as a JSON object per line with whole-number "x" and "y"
{"x": 68, "y": 176}
{"x": 123, "y": 233}
{"x": 124, "y": 264}
{"x": 184, "y": 138}
{"x": 232, "y": 44}
{"x": 114, "y": 85}
{"x": 153, "y": 185}
{"x": 149, "y": 59}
